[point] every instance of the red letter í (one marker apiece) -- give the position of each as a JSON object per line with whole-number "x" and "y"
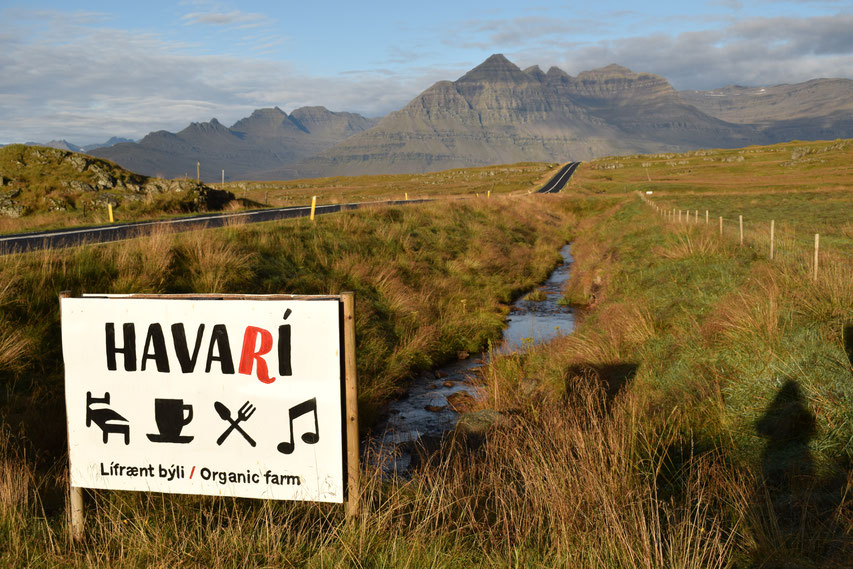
{"x": 250, "y": 354}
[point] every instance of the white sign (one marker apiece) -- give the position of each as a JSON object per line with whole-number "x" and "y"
{"x": 197, "y": 396}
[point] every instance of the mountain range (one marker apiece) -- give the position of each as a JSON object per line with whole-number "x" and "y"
{"x": 498, "y": 113}
{"x": 267, "y": 139}
{"x": 65, "y": 145}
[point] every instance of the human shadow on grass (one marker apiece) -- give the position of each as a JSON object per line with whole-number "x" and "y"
{"x": 795, "y": 507}
{"x": 612, "y": 379}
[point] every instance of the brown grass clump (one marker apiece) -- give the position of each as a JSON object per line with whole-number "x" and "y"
{"x": 830, "y": 296}
{"x": 690, "y": 242}
{"x": 215, "y": 265}
{"x": 142, "y": 264}
{"x": 752, "y": 313}
{"x": 13, "y": 343}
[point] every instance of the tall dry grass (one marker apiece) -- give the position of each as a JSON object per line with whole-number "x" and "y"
{"x": 14, "y": 345}
{"x": 575, "y": 483}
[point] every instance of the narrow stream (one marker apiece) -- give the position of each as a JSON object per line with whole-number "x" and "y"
{"x": 425, "y": 410}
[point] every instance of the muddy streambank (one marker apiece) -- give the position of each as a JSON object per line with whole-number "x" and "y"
{"x": 437, "y": 399}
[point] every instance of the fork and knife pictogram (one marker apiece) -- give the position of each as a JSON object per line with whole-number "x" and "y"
{"x": 243, "y": 414}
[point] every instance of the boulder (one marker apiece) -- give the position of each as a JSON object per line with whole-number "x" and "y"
{"x": 478, "y": 423}
{"x": 461, "y": 401}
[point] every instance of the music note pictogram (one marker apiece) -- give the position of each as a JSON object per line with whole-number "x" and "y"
{"x": 309, "y": 406}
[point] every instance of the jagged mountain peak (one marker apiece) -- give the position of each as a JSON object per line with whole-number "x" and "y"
{"x": 211, "y": 126}
{"x": 496, "y": 69}
{"x": 270, "y": 112}
{"x": 536, "y": 72}
{"x": 269, "y": 121}
{"x": 556, "y": 74}
{"x": 316, "y": 111}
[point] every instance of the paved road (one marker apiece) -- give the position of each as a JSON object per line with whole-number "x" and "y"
{"x": 559, "y": 180}
{"x": 117, "y": 231}
{"x": 70, "y": 237}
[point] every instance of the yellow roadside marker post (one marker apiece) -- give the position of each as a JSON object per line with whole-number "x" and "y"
{"x": 313, "y": 206}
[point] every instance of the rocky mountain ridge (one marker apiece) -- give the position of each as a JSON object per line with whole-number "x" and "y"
{"x": 65, "y": 145}
{"x": 820, "y": 109}
{"x": 498, "y": 113}
{"x": 267, "y": 138}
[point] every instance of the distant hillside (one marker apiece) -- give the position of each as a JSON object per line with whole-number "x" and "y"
{"x": 43, "y": 179}
{"x": 497, "y": 113}
{"x": 269, "y": 138}
{"x": 65, "y": 145}
{"x": 821, "y": 109}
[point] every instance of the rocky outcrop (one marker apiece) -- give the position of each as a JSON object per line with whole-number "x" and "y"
{"x": 49, "y": 179}
{"x": 8, "y": 206}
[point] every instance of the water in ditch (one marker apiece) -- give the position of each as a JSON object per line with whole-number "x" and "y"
{"x": 426, "y": 409}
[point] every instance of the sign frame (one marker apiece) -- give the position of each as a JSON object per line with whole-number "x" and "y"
{"x": 348, "y": 392}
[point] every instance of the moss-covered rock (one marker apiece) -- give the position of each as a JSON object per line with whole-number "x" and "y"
{"x": 37, "y": 179}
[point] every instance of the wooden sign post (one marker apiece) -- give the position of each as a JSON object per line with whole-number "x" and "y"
{"x": 221, "y": 395}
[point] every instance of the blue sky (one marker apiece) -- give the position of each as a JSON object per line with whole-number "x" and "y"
{"x": 85, "y": 71}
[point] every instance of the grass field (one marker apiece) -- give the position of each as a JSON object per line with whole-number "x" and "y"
{"x": 700, "y": 416}
{"x": 502, "y": 179}
{"x": 803, "y": 187}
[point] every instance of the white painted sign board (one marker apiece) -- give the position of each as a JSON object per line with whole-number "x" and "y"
{"x": 202, "y": 396}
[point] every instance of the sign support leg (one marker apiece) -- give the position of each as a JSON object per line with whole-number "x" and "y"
{"x": 353, "y": 506}
{"x": 76, "y": 526}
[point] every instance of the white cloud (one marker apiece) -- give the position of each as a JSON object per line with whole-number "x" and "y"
{"x": 72, "y": 76}
{"x": 234, "y": 18}
{"x": 755, "y": 51}
{"x": 82, "y": 83}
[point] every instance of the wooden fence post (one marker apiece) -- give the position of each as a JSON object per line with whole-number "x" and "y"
{"x": 706, "y": 217}
{"x": 721, "y": 226}
{"x": 816, "y": 251}
{"x": 740, "y": 219}
{"x": 772, "y": 236}
{"x": 696, "y": 216}
{"x": 353, "y": 507}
